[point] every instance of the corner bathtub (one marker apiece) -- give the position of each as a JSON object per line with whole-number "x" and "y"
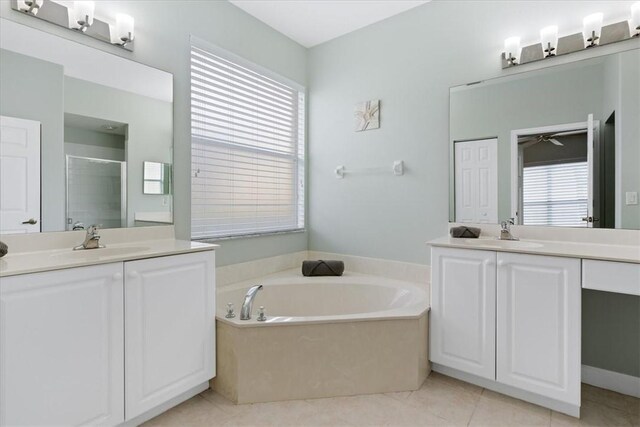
{"x": 323, "y": 337}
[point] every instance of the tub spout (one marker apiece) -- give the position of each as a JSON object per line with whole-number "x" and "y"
{"x": 245, "y": 312}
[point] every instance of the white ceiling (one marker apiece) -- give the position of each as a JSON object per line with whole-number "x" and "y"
{"x": 311, "y": 22}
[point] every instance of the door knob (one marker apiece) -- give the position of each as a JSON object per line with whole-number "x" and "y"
{"x": 31, "y": 221}
{"x": 590, "y": 219}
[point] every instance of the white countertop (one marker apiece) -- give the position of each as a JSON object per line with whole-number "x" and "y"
{"x": 598, "y": 251}
{"x": 56, "y": 259}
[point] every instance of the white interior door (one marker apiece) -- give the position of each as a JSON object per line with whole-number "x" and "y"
{"x": 476, "y": 181}
{"x": 19, "y": 175}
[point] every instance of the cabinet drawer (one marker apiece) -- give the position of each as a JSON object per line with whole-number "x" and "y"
{"x": 620, "y": 277}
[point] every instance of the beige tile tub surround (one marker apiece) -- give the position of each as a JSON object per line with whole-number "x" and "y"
{"x": 235, "y": 273}
{"x": 264, "y": 364}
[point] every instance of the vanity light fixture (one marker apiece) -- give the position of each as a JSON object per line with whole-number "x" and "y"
{"x": 591, "y": 27}
{"x": 124, "y": 28}
{"x": 30, "y": 6}
{"x": 83, "y": 14}
{"x": 549, "y": 37}
{"x": 635, "y": 18}
{"x": 512, "y": 50}
{"x": 593, "y": 34}
{"x": 80, "y": 17}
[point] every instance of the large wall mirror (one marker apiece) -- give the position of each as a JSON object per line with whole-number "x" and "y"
{"x": 558, "y": 146}
{"x": 78, "y": 126}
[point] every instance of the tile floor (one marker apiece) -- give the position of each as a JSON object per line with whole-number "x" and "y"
{"x": 441, "y": 401}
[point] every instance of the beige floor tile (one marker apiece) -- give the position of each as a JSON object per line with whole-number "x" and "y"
{"x": 441, "y": 401}
{"x": 467, "y": 387}
{"x": 594, "y": 414}
{"x": 495, "y": 409}
{"x": 288, "y": 413}
{"x": 399, "y": 395}
{"x": 445, "y": 399}
{"x": 195, "y": 412}
{"x": 377, "y": 410}
{"x": 223, "y": 403}
{"x": 614, "y": 400}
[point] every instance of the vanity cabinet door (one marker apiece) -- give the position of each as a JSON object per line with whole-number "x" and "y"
{"x": 538, "y": 325}
{"x": 170, "y": 328}
{"x": 61, "y": 347}
{"x": 462, "y": 318}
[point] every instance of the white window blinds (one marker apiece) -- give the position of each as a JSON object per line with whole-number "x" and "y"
{"x": 247, "y": 149}
{"x": 555, "y": 194}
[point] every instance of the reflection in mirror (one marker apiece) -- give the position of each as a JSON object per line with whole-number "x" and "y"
{"x": 558, "y": 146}
{"x": 157, "y": 178}
{"x": 77, "y": 124}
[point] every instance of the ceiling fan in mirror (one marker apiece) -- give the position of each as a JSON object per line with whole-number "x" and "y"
{"x": 547, "y": 137}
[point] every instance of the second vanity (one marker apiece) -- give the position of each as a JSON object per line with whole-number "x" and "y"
{"x": 506, "y": 315}
{"x": 105, "y": 336}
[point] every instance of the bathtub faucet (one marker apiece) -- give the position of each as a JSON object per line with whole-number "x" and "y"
{"x": 245, "y": 312}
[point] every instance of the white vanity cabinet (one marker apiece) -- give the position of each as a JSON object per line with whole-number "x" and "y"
{"x": 463, "y": 310}
{"x": 538, "y": 325}
{"x": 62, "y": 347}
{"x": 170, "y": 329}
{"x": 512, "y": 319}
{"x": 106, "y": 344}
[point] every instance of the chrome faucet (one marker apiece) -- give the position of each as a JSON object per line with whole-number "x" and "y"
{"x": 245, "y": 312}
{"x": 91, "y": 240}
{"x": 505, "y": 232}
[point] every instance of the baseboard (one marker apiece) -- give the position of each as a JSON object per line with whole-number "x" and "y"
{"x": 610, "y": 380}
{"x": 151, "y": 413}
{"x": 565, "y": 408}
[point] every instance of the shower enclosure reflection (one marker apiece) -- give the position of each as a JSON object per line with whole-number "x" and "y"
{"x": 96, "y": 193}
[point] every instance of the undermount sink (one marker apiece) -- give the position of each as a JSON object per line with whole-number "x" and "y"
{"x": 504, "y": 244}
{"x": 101, "y": 252}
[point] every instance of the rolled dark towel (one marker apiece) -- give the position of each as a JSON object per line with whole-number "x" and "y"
{"x": 463, "y": 231}
{"x": 322, "y": 268}
{"x": 3, "y": 249}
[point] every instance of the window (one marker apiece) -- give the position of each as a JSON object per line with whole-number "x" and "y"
{"x": 247, "y": 148}
{"x": 555, "y": 194}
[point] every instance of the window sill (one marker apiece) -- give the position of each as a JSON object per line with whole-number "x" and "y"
{"x": 247, "y": 236}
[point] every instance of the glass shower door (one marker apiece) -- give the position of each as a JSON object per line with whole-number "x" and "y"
{"x": 96, "y": 193}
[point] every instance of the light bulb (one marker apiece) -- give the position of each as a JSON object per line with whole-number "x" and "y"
{"x": 124, "y": 27}
{"x": 512, "y": 49}
{"x": 591, "y": 26}
{"x": 83, "y": 11}
{"x": 549, "y": 38}
{"x": 30, "y": 6}
{"x": 635, "y": 16}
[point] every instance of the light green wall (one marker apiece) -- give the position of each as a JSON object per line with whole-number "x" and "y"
{"x": 611, "y": 331}
{"x": 149, "y": 133}
{"x": 162, "y": 41}
{"x": 630, "y": 134}
{"x": 90, "y": 143}
{"x": 32, "y": 89}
